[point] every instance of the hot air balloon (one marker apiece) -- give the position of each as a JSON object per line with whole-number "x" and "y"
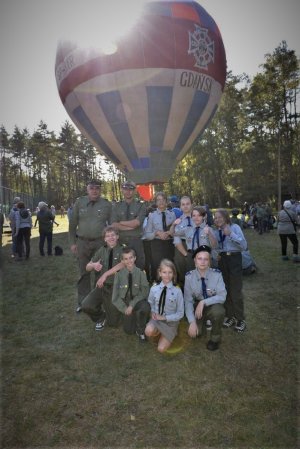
{"x": 144, "y": 105}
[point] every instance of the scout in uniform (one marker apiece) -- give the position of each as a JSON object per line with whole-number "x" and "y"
{"x": 167, "y": 307}
{"x": 158, "y": 232}
{"x": 91, "y": 214}
{"x": 130, "y": 293}
{"x": 106, "y": 262}
{"x": 195, "y": 236}
{"x": 128, "y": 217}
{"x": 183, "y": 222}
{"x": 204, "y": 296}
{"x": 231, "y": 243}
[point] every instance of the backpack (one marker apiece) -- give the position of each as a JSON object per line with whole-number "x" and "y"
{"x": 58, "y": 251}
{"x": 24, "y": 213}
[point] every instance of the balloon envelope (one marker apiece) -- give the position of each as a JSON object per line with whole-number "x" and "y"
{"x": 144, "y": 105}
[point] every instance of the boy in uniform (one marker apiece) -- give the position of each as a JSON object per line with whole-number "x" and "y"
{"x": 130, "y": 293}
{"x": 106, "y": 262}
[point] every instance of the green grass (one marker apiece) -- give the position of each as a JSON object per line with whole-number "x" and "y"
{"x": 66, "y": 386}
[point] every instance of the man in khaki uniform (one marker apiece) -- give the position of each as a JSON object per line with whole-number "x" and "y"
{"x": 128, "y": 217}
{"x": 90, "y": 216}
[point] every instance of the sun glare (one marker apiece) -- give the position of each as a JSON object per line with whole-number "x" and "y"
{"x": 99, "y": 25}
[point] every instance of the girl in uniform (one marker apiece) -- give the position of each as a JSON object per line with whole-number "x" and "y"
{"x": 167, "y": 306}
{"x": 157, "y": 230}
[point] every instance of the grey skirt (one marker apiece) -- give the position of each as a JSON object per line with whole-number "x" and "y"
{"x": 167, "y": 329}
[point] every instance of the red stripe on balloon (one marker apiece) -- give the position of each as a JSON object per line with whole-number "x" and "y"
{"x": 182, "y": 11}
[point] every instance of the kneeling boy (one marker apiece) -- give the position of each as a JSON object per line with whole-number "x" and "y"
{"x": 130, "y": 293}
{"x": 106, "y": 262}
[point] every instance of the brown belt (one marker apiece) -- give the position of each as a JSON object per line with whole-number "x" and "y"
{"x": 88, "y": 240}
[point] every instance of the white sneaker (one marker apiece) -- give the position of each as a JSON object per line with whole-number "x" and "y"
{"x": 208, "y": 325}
{"x": 100, "y": 325}
{"x": 142, "y": 337}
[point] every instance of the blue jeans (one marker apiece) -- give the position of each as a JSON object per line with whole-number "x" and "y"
{"x": 43, "y": 237}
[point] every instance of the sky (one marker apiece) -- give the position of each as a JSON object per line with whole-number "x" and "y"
{"x": 31, "y": 29}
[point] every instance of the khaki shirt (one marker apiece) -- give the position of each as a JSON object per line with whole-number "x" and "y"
{"x": 89, "y": 218}
{"x": 102, "y": 255}
{"x": 140, "y": 288}
{"x": 137, "y": 209}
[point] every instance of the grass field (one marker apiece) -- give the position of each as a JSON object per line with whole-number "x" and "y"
{"x": 66, "y": 386}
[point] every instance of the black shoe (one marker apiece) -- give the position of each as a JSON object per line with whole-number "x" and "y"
{"x": 212, "y": 345}
{"x": 229, "y": 322}
{"x": 240, "y": 326}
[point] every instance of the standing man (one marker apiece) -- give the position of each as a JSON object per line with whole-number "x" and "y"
{"x": 128, "y": 217}
{"x": 91, "y": 214}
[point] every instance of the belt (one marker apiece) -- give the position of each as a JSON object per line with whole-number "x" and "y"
{"x": 229, "y": 253}
{"x": 88, "y": 240}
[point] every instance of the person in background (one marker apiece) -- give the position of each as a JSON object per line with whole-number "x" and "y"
{"x": 128, "y": 217}
{"x": 12, "y": 222}
{"x": 53, "y": 212}
{"x": 1, "y": 226}
{"x": 167, "y": 307}
{"x": 235, "y": 219}
{"x": 174, "y": 205}
{"x": 204, "y": 296}
{"x": 45, "y": 219}
{"x": 23, "y": 230}
{"x": 69, "y": 212}
{"x": 130, "y": 293}
{"x": 158, "y": 231}
{"x": 231, "y": 243}
{"x": 209, "y": 215}
{"x": 287, "y": 229}
{"x": 62, "y": 212}
{"x": 91, "y": 214}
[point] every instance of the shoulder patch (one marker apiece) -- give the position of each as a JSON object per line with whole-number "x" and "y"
{"x": 216, "y": 270}
{"x": 188, "y": 273}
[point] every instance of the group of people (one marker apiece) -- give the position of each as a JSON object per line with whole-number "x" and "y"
{"x": 153, "y": 268}
{"x": 20, "y": 219}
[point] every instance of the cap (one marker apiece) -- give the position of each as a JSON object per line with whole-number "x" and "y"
{"x": 235, "y": 211}
{"x": 94, "y": 182}
{"x": 174, "y": 199}
{"x": 128, "y": 185}
{"x": 200, "y": 249}
{"x": 17, "y": 199}
{"x": 287, "y": 204}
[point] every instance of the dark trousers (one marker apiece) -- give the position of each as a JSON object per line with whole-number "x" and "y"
{"x": 284, "y": 239}
{"x": 85, "y": 251}
{"x": 160, "y": 249}
{"x": 147, "y": 252}
{"x": 215, "y": 314}
{"x": 231, "y": 268}
{"x": 136, "y": 322}
{"x": 99, "y": 299}
{"x": 137, "y": 244}
{"x": 181, "y": 265}
{"x": 23, "y": 236}
{"x": 45, "y": 236}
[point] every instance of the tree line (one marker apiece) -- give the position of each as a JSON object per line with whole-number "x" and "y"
{"x": 250, "y": 151}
